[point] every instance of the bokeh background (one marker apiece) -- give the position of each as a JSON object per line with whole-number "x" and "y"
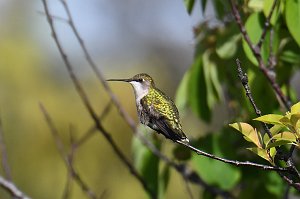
{"x": 124, "y": 37}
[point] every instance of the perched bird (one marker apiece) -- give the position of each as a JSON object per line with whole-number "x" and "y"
{"x": 155, "y": 109}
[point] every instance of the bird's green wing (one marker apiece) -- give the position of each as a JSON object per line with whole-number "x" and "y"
{"x": 163, "y": 113}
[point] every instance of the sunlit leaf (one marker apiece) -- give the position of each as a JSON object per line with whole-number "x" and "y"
{"x": 292, "y": 15}
{"x": 282, "y": 139}
{"x": 249, "y": 132}
{"x": 256, "y": 5}
{"x": 262, "y": 153}
{"x": 276, "y": 129}
{"x": 270, "y": 119}
{"x": 294, "y": 119}
{"x": 295, "y": 108}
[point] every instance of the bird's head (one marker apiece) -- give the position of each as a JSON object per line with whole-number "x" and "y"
{"x": 141, "y": 83}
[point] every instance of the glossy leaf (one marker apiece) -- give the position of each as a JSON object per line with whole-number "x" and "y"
{"x": 262, "y": 153}
{"x": 270, "y": 119}
{"x": 295, "y": 108}
{"x": 249, "y": 132}
{"x": 292, "y": 15}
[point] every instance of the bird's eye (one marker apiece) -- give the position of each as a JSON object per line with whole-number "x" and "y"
{"x": 140, "y": 80}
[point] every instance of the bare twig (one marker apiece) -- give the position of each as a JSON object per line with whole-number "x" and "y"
{"x": 256, "y": 51}
{"x": 5, "y": 164}
{"x": 289, "y": 161}
{"x": 91, "y": 131}
{"x": 233, "y": 162}
{"x": 88, "y": 106}
{"x": 266, "y": 26}
{"x": 59, "y": 146}
{"x": 12, "y": 189}
{"x": 188, "y": 188}
{"x": 244, "y": 79}
{"x": 99, "y": 75}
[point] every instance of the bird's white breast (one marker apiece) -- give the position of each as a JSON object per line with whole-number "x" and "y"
{"x": 140, "y": 90}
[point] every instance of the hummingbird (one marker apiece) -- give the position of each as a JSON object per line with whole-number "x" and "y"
{"x": 155, "y": 109}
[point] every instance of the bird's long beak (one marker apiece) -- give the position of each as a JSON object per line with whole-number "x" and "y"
{"x": 120, "y": 80}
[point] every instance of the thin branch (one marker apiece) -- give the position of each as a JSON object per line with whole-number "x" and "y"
{"x": 266, "y": 25}
{"x": 5, "y": 164}
{"x": 256, "y": 51}
{"x": 88, "y": 106}
{"x": 59, "y": 146}
{"x": 289, "y": 161}
{"x": 97, "y": 72}
{"x": 12, "y": 189}
{"x": 91, "y": 131}
{"x": 234, "y": 162}
{"x": 244, "y": 79}
{"x": 188, "y": 188}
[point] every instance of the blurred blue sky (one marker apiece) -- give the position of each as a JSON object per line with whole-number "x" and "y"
{"x": 118, "y": 33}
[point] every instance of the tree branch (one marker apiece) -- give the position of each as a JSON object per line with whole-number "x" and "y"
{"x": 256, "y": 51}
{"x": 12, "y": 189}
{"x": 5, "y": 164}
{"x": 59, "y": 146}
{"x": 266, "y": 25}
{"x": 88, "y": 106}
{"x": 234, "y": 162}
{"x": 289, "y": 161}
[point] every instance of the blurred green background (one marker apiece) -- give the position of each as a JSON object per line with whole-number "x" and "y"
{"x": 125, "y": 38}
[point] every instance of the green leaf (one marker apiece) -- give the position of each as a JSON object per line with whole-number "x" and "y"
{"x": 253, "y": 27}
{"x": 275, "y": 184}
{"x": 270, "y": 119}
{"x": 203, "y": 5}
{"x": 164, "y": 178}
{"x": 256, "y": 5}
{"x": 292, "y": 16}
{"x": 249, "y": 132}
{"x": 189, "y": 4}
{"x": 276, "y": 13}
{"x": 213, "y": 86}
{"x": 282, "y": 138}
{"x": 276, "y": 129}
{"x": 198, "y": 91}
{"x": 262, "y": 153}
{"x": 290, "y": 56}
{"x": 181, "y": 99}
{"x": 146, "y": 163}
{"x": 226, "y": 47}
{"x": 211, "y": 170}
{"x": 296, "y": 107}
